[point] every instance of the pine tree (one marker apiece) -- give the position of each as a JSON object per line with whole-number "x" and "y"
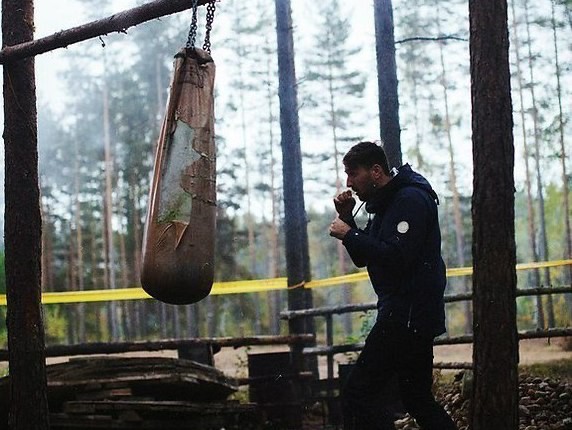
{"x": 336, "y": 90}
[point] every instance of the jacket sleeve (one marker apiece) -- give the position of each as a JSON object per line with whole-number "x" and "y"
{"x": 398, "y": 243}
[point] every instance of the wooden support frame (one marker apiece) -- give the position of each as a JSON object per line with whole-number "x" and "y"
{"x": 118, "y": 22}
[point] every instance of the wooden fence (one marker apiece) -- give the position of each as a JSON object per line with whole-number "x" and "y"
{"x": 330, "y": 349}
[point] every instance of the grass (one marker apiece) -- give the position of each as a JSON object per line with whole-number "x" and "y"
{"x": 556, "y": 369}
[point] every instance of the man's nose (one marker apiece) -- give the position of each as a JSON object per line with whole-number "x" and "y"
{"x": 348, "y": 183}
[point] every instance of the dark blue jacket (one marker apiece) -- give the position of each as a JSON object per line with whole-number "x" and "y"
{"x": 401, "y": 247}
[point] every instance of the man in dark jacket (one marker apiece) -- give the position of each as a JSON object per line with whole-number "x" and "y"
{"x": 401, "y": 247}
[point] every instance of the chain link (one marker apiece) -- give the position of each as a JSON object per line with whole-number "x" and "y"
{"x": 210, "y": 18}
{"x": 193, "y": 28}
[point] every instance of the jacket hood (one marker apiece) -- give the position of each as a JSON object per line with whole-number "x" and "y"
{"x": 405, "y": 177}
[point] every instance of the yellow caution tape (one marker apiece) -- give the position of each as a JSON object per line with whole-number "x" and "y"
{"x": 250, "y": 286}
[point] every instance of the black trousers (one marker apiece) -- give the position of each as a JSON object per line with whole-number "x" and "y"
{"x": 393, "y": 350}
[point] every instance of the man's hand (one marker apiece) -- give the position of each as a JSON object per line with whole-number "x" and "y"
{"x": 338, "y": 228}
{"x": 345, "y": 204}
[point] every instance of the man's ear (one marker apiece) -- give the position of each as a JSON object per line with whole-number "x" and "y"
{"x": 376, "y": 171}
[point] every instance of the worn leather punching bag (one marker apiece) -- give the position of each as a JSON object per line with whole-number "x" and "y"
{"x": 178, "y": 243}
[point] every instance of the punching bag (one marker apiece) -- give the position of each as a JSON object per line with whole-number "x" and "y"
{"x": 179, "y": 235}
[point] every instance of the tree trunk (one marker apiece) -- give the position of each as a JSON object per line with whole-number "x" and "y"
{"x": 457, "y": 215}
{"x": 390, "y": 130}
{"x": 544, "y": 255}
{"x": 211, "y": 317}
{"x": 71, "y": 285}
{"x": 495, "y": 391}
{"x": 342, "y": 266}
{"x": 295, "y": 220}
{"x": 274, "y": 302}
{"x": 192, "y": 316}
{"x": 23, "y": 228}
{"x": 163, "y": 330}
{"x": 47, "y": 248}
{"x": 529, "y": 199}
{"x": 97, "y": 281}
{"x": 79, "y": 244}
{"x": 563, "y": 155}
{"x": 107, "y": 217}
{"x": 127, "y": 321}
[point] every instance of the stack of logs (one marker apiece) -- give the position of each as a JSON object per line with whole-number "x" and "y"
{"x": 141, "y": 392}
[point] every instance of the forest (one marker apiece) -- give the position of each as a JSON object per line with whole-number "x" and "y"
{"x": 98, "y": 125}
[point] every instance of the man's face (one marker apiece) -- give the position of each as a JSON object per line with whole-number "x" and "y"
{"x": 360, "y": 180}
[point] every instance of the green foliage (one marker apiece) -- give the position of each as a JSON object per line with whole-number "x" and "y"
{"x": 2, "y": 274}
{"x": 3, "y": 330}
{"x": 56, "y": 324}
{"x": 367, "y": 321}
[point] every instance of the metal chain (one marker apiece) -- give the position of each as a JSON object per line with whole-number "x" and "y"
{"x": 193, "y": 29}
{"x": 210, "y": 18}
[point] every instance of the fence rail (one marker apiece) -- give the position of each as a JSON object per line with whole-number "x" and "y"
{"x": 329, "y": 350}
{"x": 364, "y": 307}
{"x": 168, "y": 344}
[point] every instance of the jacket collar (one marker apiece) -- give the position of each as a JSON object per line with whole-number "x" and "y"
{"x": 405, "y": 177}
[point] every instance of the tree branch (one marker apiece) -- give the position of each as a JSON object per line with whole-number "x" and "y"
{"x": 118, "y": 22}
{"x": 430, "y": 39}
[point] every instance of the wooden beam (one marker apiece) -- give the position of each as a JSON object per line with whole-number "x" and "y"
{"x": 456, "y": 340}
{"x": 118, "y": 22}
{"x": 170, "y": 344}
{"x": 364, "y": 307}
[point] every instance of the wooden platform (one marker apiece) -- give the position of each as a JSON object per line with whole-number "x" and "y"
{"x": 158, "y": 378}
{"x": 141, "y": 393}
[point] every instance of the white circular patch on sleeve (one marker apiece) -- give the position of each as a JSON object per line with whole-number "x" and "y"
{"x": 403, "y": 227}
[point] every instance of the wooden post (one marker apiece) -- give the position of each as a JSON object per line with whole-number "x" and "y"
{"x": 329, "y": 343}
{"x": 28, "y": 386}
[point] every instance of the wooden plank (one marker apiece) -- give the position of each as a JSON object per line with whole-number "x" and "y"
{"x": 62, "y": 420}
{"x": 178, "y": 406}
{"x": 158, "y": 415}
{"x": 158, "y": 378}
{"x": 110, "y": 393}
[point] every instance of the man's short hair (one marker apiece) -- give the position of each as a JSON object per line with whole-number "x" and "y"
{"x": 366, "y": 154}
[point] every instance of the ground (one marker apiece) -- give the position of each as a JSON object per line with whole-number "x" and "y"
{"x": 234, "y": 361}
{"x": 545, "y": 382}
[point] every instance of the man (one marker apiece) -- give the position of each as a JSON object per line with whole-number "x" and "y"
{"x": 401, "y": 247}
